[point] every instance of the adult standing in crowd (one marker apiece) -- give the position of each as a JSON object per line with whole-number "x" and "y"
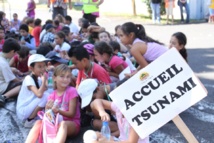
{"x": 185, "y": 4}
{"x": 91, "y": 9}
{"x": 59, "y": 7}
{"x": 155, "y": 6}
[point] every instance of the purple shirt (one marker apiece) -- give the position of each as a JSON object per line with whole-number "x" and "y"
{"x": 153, "y": 51}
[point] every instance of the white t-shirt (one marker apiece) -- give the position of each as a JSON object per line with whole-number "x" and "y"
{"x": 73, "y": 28}
{"x": 6, "y": 74}
{"x": 65, "y": 47}
{"x": 26, "y": 96}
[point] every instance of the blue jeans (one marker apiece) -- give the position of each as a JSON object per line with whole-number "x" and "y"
{"x": 186, "y": 6}
{"x": 155, "y": 12}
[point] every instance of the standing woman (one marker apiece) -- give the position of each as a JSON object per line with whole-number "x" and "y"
{"x": 143, "y": 48}
{"x": 155, "y": 6}
{"x": 31, "y": 6}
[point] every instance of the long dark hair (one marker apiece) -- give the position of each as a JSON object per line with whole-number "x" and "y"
{"x": 139, "y": 32}
{"x": 35, "y": 78}
{"x": 182, "y": 40}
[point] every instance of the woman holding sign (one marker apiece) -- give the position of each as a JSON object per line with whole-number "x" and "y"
{"x": 143, "y": 48}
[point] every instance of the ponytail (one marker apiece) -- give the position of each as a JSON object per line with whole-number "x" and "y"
{"x": 141, "y": 34}
{"x": 183, "y": 53}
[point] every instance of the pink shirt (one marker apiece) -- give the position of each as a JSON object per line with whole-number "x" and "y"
{"x": 124, "y": 126}
{"x": 116, "y": 61}
{"x": 69, "y": 94}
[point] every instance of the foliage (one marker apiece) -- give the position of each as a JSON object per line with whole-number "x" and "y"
{"x": 147, "y": 2}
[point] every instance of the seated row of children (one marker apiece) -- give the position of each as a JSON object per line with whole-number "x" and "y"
{"x": 100, "y": 60}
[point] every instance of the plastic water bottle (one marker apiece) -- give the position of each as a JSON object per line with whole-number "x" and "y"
{"x": 50, "y": 79}
{"x": 105, "y": 130}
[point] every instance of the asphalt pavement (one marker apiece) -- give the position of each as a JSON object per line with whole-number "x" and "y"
{"x": 200, "y": 47}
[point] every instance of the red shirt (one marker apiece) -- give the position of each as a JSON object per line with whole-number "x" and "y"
{"x": 96, "y": 72}
{"x": 21, "y": 66}
{"x": 36, "y": 33}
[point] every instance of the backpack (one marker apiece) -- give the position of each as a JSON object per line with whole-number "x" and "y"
{"x": 48, "y": 130}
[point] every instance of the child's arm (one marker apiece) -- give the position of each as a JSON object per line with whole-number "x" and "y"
{"x": 137, "y": 52}
{"x": 39, "y": 92}
{"x": 31, "y": 45}
{"x": 99, "y": 105}
{"x": 72, "y": 109}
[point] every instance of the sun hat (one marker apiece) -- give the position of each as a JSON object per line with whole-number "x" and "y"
{"x": 85, "y": 91}
{"x": 36, "y": 58}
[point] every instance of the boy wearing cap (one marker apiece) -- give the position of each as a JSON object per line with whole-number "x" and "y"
{"x": 27, "y": 39}
{"x": 87, "y": 69}
{"x": 9, "y": 84}
{"x": 32, "y": 96}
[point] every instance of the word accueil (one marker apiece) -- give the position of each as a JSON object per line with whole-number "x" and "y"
{"x": 156, "y": 83}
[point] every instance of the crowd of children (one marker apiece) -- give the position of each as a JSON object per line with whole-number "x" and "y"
{"x": 83, "y": 66}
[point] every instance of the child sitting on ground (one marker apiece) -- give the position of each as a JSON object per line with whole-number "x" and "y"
{"x": 87, "y": 69}
{"x": 104, "y": 54}
{"x": 9, "y": 84}
{"x": 15, "y": 23}
{"x": 68, "y": 107}
{"x": 20, "y": 60}
{"x": 27, "y": 39}
{"x": 32, "y": 97}
{"x": 127, "y": 133}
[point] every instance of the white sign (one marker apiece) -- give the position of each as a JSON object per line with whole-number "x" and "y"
{"x": 158, "y": 93}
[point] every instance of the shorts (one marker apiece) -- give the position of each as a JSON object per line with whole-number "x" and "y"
{"x": 12, "y": 85}
{"x": 169, "y": 9}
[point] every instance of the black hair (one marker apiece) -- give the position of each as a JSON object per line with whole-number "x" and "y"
{"x": 61, "y": 35}
{"x": 85, "y": 23}
{"x": 103, "y": 47}
{"x": 9, "y": 45}
{"x": 12, "y": 34}
{"x": 34, "y": 77}
{"x": 117, "y": 27}
{"x": 68, "y": 18}
{"x": 75, "y": 44}
{"x": 37, "y": 22}
{"x": 23, "y": 52}
{"x": 138, "y": 30}
{"x": 44, "y": 48}
{"x": 24, "y": 27}
{"x": 1, "y": 18}
{"x": 56, "y": 22}
{"x": 47, "y": 22}
{"x": 66, "y": 30}
{"x": 182, "y": 40}
{"x": 115, "y": 45}
{"x": 15, "y": 14}
{"x": 79, "y": 53}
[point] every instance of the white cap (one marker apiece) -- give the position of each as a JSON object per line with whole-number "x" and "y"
{"x": 89, "y": 136}
{"x": 85, "y": 91}
{"x": 36, "y": 58}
